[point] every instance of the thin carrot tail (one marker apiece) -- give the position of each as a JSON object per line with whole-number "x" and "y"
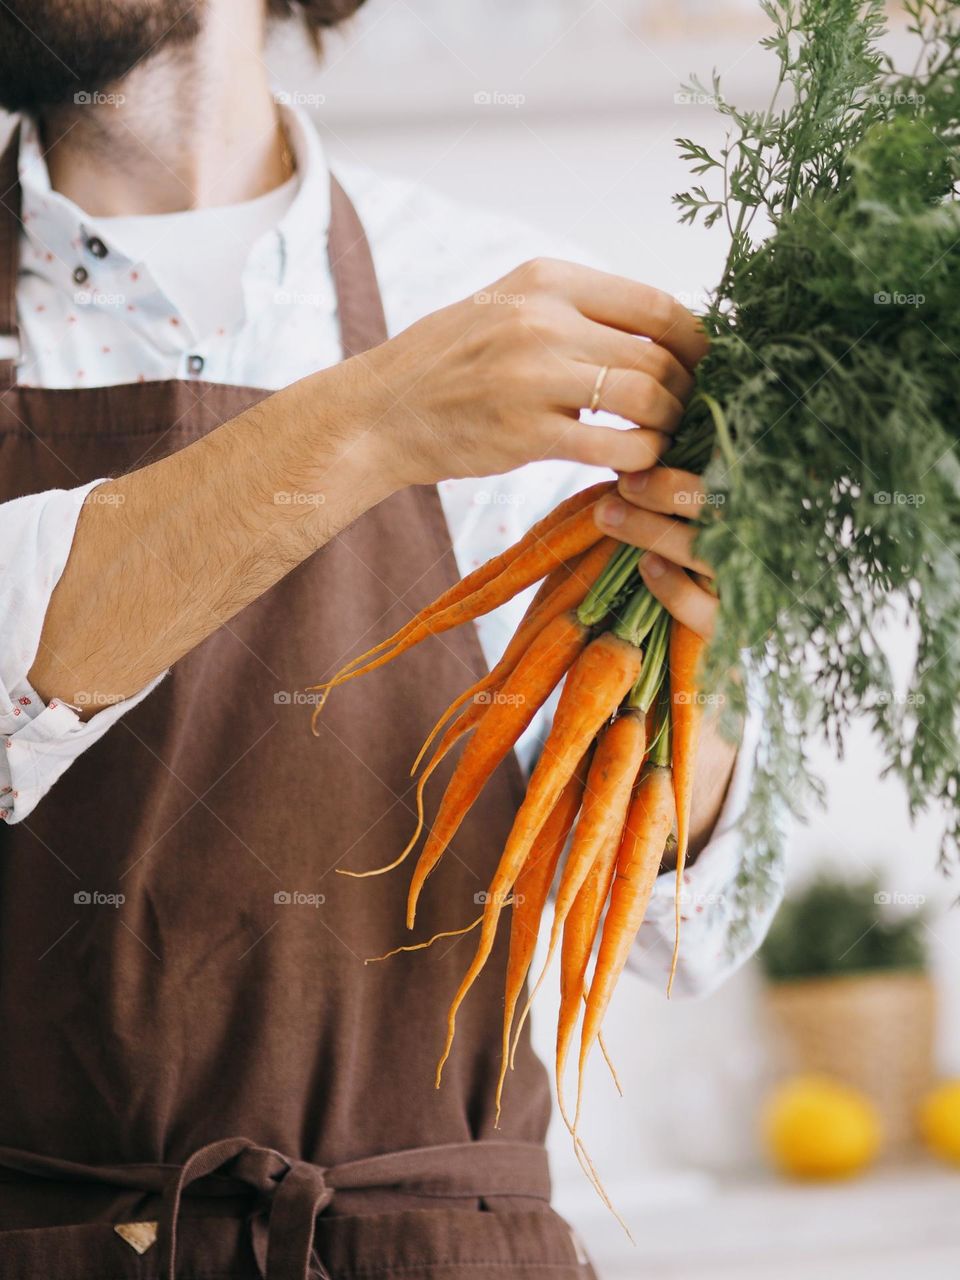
{"x": 525, "y": 1012}
{"x": 593, "y": 1177}
{"x": 608, "y": 1060}
{"x": 488, "y": 929}
{"x": 466, "y": 696}
{"x": 420, "y": 946}
{"x": 509, "y": 1010}
{"x": 450, "y": 739}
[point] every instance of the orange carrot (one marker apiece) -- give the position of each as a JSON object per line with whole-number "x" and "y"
{"x": 530, "y": 896}
{"x": 570, "y": 583}
{"x": 613, "y": 772}
{"x": 509, "y": 713}
{"x": 592, "y": 692}
{"x": 575, "y": 534}
{"x": 485, "y": 572}
{"x": 648, "y": 826}
{"x": 579, "y": 934}
{"x": 686, "y": 713}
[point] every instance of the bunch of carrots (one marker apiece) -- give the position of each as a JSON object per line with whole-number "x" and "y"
{"x": 613, "y": 783}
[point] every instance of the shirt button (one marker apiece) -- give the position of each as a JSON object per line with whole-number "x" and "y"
{"x": 195, "y": 364}
{"x": 97, "y": 247}
{"x": 80, "y": 275}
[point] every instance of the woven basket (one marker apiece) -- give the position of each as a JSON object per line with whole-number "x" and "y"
{"x": 874, "y": 1032}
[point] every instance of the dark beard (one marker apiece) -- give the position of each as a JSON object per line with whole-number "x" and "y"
{"x": 54, "y": 53}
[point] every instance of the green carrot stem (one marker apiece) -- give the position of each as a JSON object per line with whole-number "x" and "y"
{"x": 651, "y": 678}
{"x": 659, "y": 753}
{"x": 616, "y": 575}
{"x": 636, "y": 617}
{"x": 724, "y": 439}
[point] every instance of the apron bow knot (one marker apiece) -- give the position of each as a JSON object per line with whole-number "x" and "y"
{"x": 293, "y": 1193}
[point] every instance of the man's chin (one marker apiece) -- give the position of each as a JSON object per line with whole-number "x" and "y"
{"x": 57, "y": 53}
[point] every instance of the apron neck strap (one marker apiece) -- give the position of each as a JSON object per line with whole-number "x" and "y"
{"x": 362, "y": 322}
{"x": 10, "y": 226}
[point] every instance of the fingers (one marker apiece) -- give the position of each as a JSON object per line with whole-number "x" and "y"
{"x": 667, "y": 489}
{"x": 683, "y": 598}
{"x": 598, "y": 344}
{"x": 641, "y": 528}
{"x": 565, "y": 436}
{"x": 623, "y": 304}
{"x": 626, "y": 392}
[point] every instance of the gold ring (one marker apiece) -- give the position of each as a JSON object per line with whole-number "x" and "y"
{"x": 598, "y": 388}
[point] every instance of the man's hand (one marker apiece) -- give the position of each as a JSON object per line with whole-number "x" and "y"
{"x": 498, "y": 380}
{"x": 652, "y": 510}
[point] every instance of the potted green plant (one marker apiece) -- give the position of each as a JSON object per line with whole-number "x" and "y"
{"x": 850, "y": 995}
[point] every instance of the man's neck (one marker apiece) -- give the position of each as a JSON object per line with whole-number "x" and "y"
{"x": 191, "y": 128}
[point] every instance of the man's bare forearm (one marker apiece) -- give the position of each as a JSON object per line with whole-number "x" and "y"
{"x": 167, "y": 554}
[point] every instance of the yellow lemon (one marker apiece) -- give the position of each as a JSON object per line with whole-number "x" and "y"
{"x": 940, "y": 1120}
{"x": 816, "y": 1127}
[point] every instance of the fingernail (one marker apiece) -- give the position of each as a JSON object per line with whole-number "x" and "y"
{"x": 611, "y": 512}
{"x": 652, "y": 565}
{"x": 635, "y": 482}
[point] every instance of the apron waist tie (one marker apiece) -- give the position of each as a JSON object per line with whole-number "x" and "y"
{"x": 293, "y": 1193}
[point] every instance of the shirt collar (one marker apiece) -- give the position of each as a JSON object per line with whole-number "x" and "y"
{"x": 59, "y": 234}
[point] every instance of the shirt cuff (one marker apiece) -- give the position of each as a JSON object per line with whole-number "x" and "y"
{"x": 38, "y": 741}
{"x": 43, "y": 745}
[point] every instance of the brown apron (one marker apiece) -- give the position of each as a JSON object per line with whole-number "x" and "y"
{"x": 212, "y": 1053}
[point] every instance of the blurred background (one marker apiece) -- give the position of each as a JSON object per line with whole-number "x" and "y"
{"x": 564, "y": 113}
